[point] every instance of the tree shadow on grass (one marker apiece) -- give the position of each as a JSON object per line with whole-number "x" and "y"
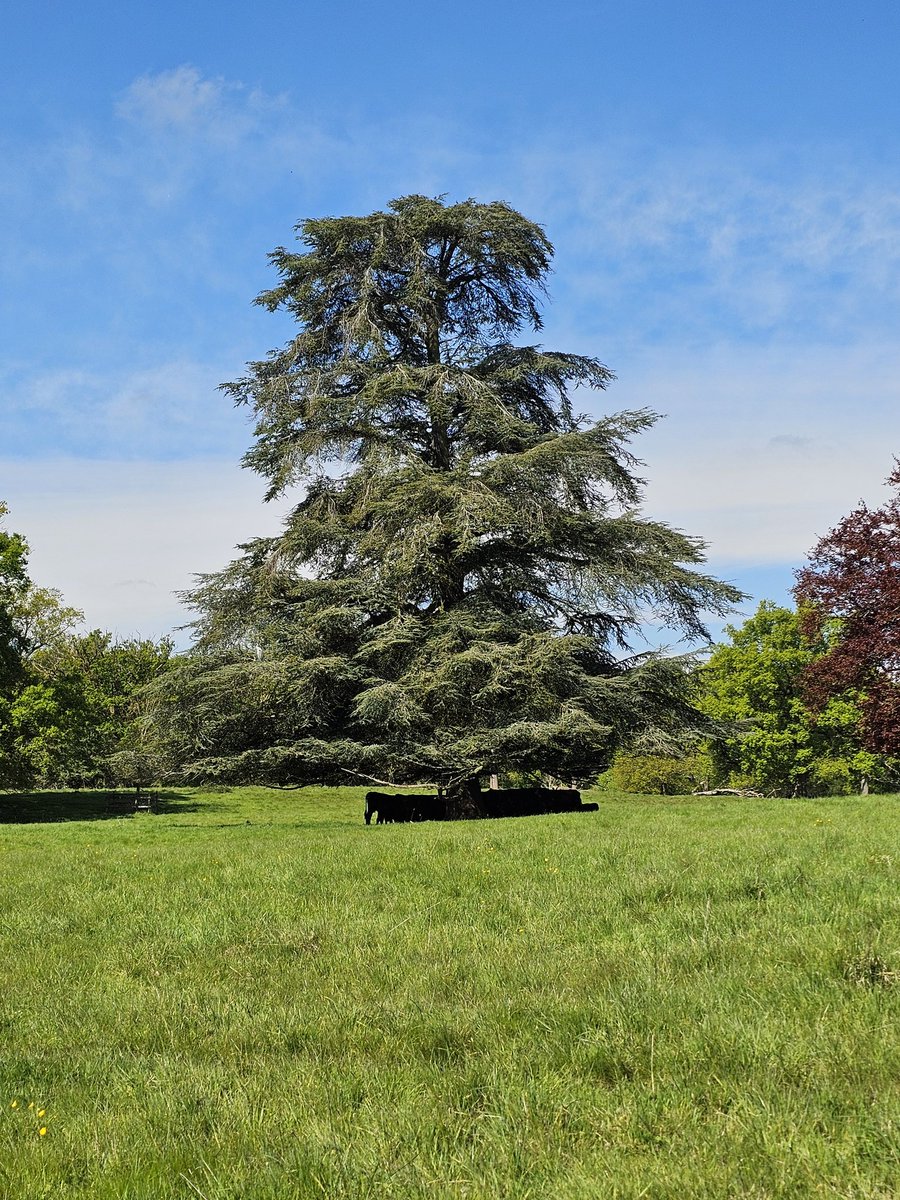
{"x": 28, "y": 808}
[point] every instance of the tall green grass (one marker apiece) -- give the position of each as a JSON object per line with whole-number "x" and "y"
{"x": 253, "y": 995}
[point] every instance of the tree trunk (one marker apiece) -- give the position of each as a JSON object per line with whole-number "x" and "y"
{"x": 463, "y": 800}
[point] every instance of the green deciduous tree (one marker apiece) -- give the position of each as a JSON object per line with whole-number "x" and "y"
{"x": 755, "y": 682}
{"x": 658, "y": 774}
{"x": 67, "y": 700}
{"x": 14, "y": 584}
{"x": 458, "y": 586}
{"x": 76, "y": 709}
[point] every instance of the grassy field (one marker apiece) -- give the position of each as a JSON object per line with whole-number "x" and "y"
{"x": 251, "y": 995}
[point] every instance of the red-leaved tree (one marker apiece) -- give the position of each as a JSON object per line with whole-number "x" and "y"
{"x": 852, "y": 582}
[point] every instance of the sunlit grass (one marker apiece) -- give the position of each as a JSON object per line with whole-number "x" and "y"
{"x": 252, "y": 994}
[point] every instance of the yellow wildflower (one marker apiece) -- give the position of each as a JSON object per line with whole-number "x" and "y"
{"x": 42, "y": 1131}
{"x": 15, "y": 1104}
{"x": 41, "y": 1111}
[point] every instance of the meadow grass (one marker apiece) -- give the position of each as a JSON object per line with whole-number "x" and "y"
{"x": 253, "y": 995}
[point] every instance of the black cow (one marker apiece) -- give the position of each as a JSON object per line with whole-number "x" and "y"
{"x": 397, "y": 807}
{"x": 528, "y": 802}
{"x": 429, "y": 808}
{"x": 391, "y": 808}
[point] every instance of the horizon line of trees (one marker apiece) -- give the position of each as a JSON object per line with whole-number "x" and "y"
{"x": 74, "y": 705}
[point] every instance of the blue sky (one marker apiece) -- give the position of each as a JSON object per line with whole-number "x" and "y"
{"x": 721, "y": 182}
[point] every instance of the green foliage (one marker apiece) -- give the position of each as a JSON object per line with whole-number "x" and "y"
{"x": 14, "y": 584}
{"x": 832, "y": 777}
{"x": 658, "y": 774}
{"x": 455, "y": 592}
{"x": 253, "y": 996}
{"x": 66, "y": 699}
{"x": 77, "y": 708}
{"x": 13, "y": 559}
{"x": 754, "y": 687}
{"x": 43, "y": 622}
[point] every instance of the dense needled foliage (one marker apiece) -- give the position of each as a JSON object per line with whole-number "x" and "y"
{"x": 457, "y": 589}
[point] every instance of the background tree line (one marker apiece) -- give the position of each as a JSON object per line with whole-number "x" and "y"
{"x": 776, "y": 734}
{"x": 808, "y": 698}
{"x": 75, "y": 707}
{"x": 68, "y": 699}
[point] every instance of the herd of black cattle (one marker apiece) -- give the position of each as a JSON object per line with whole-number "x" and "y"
{"x": 390, "y": 808}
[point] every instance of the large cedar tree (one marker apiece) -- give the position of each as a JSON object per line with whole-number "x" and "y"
{"x": 458, "y": 587}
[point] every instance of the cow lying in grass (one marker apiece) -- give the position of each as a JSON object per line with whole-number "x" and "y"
{"x": 528, "y": 802}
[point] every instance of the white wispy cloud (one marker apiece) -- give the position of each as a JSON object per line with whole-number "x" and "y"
{"x": 700, "y": 243}
{"x": 762, "y": 452}
{"x": 179, "y": 98}
{"x": 120, "y": 539}
{"x": 682, "y": 240}
{"x": 172, "y": 409}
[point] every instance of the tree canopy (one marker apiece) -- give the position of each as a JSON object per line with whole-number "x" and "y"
{"x": 67, "y": 699}
{"x": 458, "y": 588}
{"x": 75, "y": 714}
{"x": 753, "y": 685}
{"x": 852, "y": 580}
{"x": 13, "y": 583}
